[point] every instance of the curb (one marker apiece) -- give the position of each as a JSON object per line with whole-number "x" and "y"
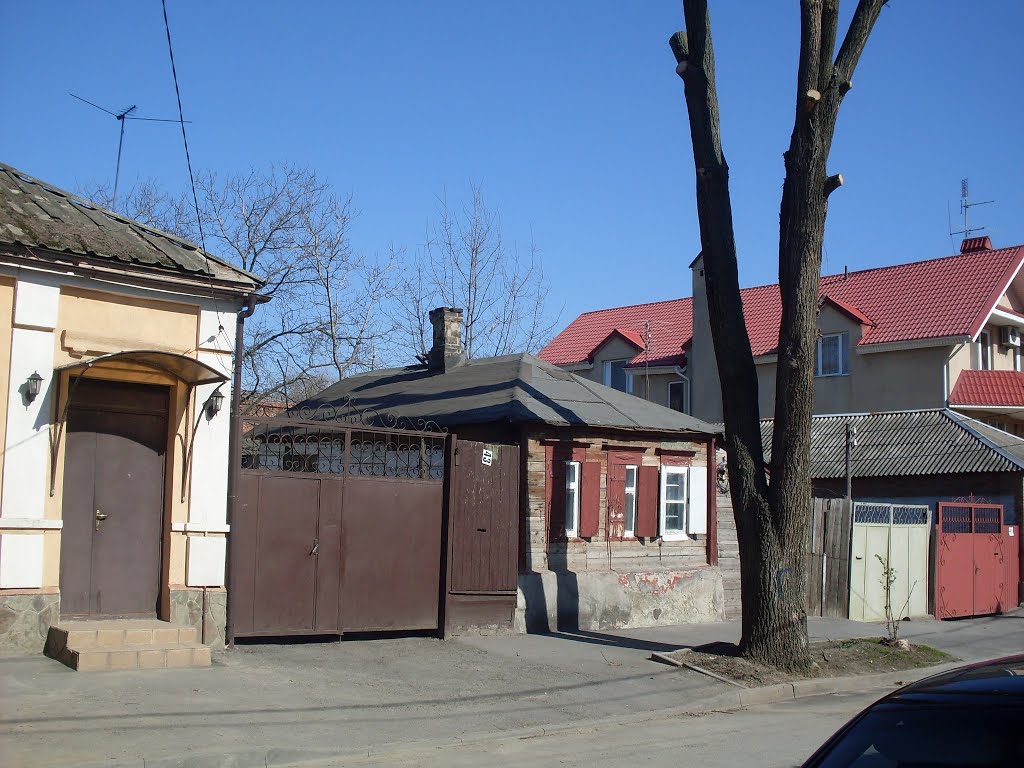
{"x": 724, "y": 702}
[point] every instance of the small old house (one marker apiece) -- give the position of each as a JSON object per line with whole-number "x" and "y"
{"x": 116, "y": 344}
{"x": 617, "y": 506}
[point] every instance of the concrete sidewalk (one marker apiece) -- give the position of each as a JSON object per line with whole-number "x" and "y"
{"x": 287, "y": 703}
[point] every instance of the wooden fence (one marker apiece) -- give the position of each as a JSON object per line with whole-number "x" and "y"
{"x": 828, "y": 558}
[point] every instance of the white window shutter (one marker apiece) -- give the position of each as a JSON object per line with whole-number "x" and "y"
{"x": 698, "y": 507}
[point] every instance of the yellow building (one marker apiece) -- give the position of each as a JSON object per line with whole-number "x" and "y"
{"x": 118, "y": 341}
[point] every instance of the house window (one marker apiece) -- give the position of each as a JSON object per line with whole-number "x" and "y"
{"x": 616, "y": 377}
{"x": 672, "y": 512}
{"x": 832, "y": 358}
{"x": 572, "y": 498}
{"x": 629, "y": 527}
{"x": 985, "y": 351}
{"x": 679, "y": 395}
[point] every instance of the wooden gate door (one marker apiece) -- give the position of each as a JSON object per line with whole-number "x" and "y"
{"x": 485, "y": 519}
{"x": 976, "y": 569}
{"x": 112, "y": 539}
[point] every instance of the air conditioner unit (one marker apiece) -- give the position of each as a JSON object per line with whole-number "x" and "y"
{"x": 1009, "y": 336}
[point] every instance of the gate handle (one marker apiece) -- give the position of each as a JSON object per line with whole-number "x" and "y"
{"x": 858, "y": 557}
{"x": 316, "y": 546}
{"x": 100, "y": 517}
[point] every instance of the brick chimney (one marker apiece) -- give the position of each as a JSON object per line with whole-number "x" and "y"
{"x": 447, "y": 352}
{"x": 975, "y": 244}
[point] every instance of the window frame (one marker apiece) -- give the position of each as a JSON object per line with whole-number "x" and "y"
{"x": 984, "y": 351}
{"x": 629, "y": 531}
{"x": 844, "y": 355}
{"x": 683, "y": 382}
{"x": 606, "y": 374}
{"x": 572, "y": 510}
{"x": 675, "y": 534}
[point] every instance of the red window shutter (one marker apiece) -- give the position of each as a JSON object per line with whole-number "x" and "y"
{"x": 590, "y": 500}
{"x": 556, "y": 500}
{"x": 647, "y": 503}
{"x": 616, "y": 494}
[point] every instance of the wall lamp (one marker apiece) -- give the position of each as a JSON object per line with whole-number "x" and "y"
{"x": 33, "y": 384}
{"x": 214, "y": 403}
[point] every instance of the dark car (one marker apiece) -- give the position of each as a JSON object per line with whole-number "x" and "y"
{"x": 967, "y": 717}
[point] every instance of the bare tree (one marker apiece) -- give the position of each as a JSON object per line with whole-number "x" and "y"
{"x": 286, "y": 225}
{"x": 771, "y": 519}
{"x": 147, "y": 203}
{"x": 466, "y": 263}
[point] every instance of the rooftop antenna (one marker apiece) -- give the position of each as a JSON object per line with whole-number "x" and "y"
{"x": 124, "y": 114}
{"x": 965, "y": 207}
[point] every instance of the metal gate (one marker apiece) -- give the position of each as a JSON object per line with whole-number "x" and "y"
{"x": 893, "y": 535}
{"x": 977, "y": 565}
{"x": 338, "y": 527}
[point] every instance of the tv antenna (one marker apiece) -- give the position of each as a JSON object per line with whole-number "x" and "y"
{"x": 124, "y": 114}
{"x": 965, "y": 207}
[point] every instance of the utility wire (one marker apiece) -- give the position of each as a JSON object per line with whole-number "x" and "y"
{"x": 184, "y": 137}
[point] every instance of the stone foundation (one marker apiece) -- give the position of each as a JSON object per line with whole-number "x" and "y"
{"x": 25, "y": 621}
{"x": 596, "y": 600}
{"x": 187, "y": 610}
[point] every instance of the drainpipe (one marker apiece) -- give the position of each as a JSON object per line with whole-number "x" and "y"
{"x": 234, "y": 444}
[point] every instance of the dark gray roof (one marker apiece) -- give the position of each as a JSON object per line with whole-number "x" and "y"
{"x": 513, "y": 389}
{"x": 39, "y": 215}
{"x": 928, "y": 442}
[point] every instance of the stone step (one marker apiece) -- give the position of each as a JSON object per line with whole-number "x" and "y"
{"x": 148, "y": 656}
{"x": 108, "y": 634}
{"x": 107, "y": 644}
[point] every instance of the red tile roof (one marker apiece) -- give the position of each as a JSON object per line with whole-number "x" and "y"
{"x": 951, "y": 296}
{"x": 991, "y": 388}
{"x": 671, "y": 324}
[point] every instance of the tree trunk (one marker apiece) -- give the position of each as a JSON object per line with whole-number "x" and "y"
{"x": 771, "y": 521}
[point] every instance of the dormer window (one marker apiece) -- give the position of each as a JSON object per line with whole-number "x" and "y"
{"x": 616, "y": 376}
{"x": 833, "y": 357}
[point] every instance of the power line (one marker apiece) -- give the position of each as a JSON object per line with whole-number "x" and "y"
{"x": 184, "y": 137}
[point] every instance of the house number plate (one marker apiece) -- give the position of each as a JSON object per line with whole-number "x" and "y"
{"x": 486, "y": 457}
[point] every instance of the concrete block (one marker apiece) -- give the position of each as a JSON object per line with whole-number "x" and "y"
{"x": 109, "y": 638}
{"x": 152, "y": 658}
{"x": 138, "y": 637}
{"x": 89, "y": 661}
{"x": 202, "y": 656}
{"x": 179, "y": 657}
{"x": 188, "y": 635}
{"x": 819, "y": 686}
{"x": 768, "y": 694}
{"x": 123, "y": 659}
{"x": 167, "y": 636}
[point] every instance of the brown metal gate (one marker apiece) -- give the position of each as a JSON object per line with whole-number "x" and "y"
{"x": 977, "y": 561}
{"x": 338, "y": 528}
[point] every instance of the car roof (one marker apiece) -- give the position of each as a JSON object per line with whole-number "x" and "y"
{"x": 999, "y": 678}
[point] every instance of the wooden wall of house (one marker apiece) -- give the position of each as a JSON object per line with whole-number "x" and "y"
{"x": 607, "y": 550}
{"x": 728, "y": 553}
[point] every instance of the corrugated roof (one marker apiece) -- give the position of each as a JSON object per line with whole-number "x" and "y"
{"x": 894, "y": 304}
{"x": 514, "y": 389}
{"x": 40, "y": 215}
{"x": 988, "y": 388}
{"x": 907, "y": 443}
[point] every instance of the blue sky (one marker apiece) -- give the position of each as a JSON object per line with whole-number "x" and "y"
{"x": 569, "y": 114}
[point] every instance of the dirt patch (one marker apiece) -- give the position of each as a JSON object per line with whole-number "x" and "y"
{"x": 832, "y": 658}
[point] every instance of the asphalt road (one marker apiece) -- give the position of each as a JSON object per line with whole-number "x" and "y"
{"x": 772, "y": 736}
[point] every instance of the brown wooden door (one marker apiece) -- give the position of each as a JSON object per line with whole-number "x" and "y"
{"x": 112, "y": 539}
